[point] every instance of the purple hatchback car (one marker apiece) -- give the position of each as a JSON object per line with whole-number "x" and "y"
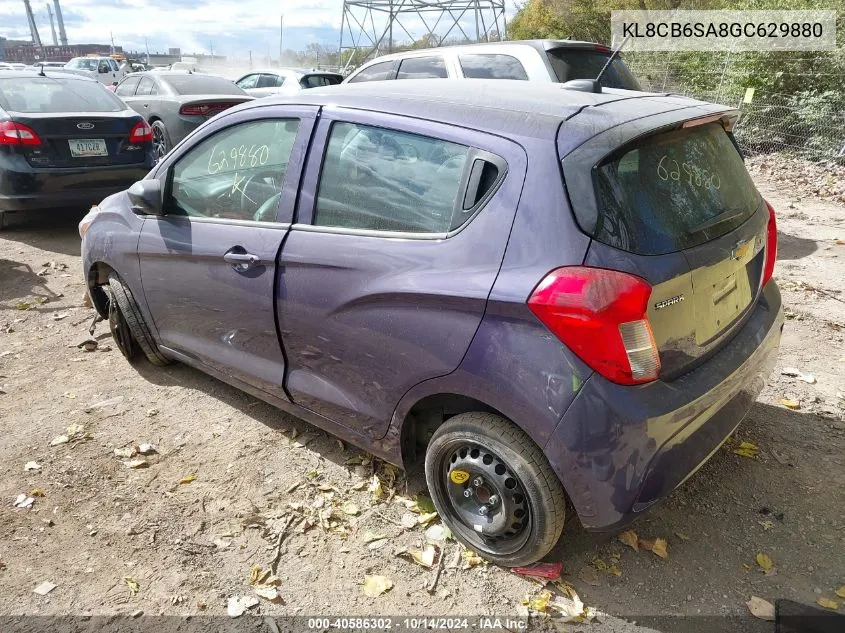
{"x": 546, "y": 293}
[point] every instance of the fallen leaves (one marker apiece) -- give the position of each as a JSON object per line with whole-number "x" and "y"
{"x": 549, "y": 571}
{"x": 827, "y": 603}
{"x": 425, "y": 556}
{"x": 789, "y": 403}
{"x": 132, "y": 584}
{"x": 265, "y": 583}
{"x": 657, "y": 546}
{"x": 374, "y": 586}
{"x": 747, "y": 449}
{"x": 764, "y": 561}
{"x": 350, "y": 508}
{"x": 762, "y": 609}
{"x": 187, "y": 480}
{"x": 841, "y": 591}
{"x": 630, "y": 539}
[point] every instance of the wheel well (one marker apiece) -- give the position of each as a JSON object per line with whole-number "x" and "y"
{"x": 427, "y": 415}
{"x": 98, "y": 276}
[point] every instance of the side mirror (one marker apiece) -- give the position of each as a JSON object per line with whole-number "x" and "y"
{"x": 146, "y": 198}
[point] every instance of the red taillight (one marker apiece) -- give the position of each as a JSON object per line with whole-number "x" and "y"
{"x": 602, "y": 48}
{"x": 204, "y": 109}
{"x": 12, "y": 133}
{"x": 601, "y": 316}
{"x": 141, "y": 133}
{"x": 771, "y": 246}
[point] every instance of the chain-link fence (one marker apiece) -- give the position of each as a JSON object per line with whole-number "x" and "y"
{"x": 792, "y": 103}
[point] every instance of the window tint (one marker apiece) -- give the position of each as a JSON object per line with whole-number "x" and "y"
{"x": 248, "y": 82}
{"x": 386, "y": 180}
{"x": 202, "y": 84}
{"x": 48, "y": 94}
{"x": 571, "y": 64}
{"x": 317, "y": 81}
{"x": 422, "y": 68}
{"x": 146, "y": 86}
{"x": 237, "y": 173}
{"x": 492, "y": 67}
{"x": 267, "y": 81}
{"x": 127, "y": 87}
{"x": 673, "y": 191}
{"x": 114, "y": 65}
{"x": 376, "y": 72}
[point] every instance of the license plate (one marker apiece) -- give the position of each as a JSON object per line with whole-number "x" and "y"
{"x": 86, "y": 147}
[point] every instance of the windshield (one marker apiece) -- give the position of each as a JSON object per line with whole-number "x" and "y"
{"x": 673, "y": 191}
{"x": 573, "y": 63}
{"x": 49, "y": 94}
{"x": 202, "y": 84}
{"x": 83, "y": 63}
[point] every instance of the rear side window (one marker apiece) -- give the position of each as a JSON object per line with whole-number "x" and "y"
{"x": 318, "y": 81}
{"x": 48, "y": 94}
{"x": 387, "y": 180}
{"x": 422, "y": 68}
{"x": 376, "y": 72}
{"x": 571, "y": 64}
{"x": 492, "y": 67}
{"x": 146, "y": 87}
{"x": 673, "y": 191}
{"x": 127, "y": 87}
{"x": 267, "y": 81}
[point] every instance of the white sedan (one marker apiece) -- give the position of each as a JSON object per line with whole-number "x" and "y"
{"x": 262, "y": 83}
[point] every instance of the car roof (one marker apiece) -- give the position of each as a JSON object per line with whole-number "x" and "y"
{"x": 540, "y": 45}
{"x": 522, "y": 108}
{"x": 296, "y": 71}
{"x": 48, "y": 72}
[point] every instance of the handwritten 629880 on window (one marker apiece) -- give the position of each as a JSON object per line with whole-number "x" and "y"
{"x": 237, "y": 173}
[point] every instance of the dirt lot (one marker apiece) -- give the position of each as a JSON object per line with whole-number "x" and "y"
{"x": 119, "y": 540}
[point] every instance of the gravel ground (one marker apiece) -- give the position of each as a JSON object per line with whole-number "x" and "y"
{"x": 121, "y": 540}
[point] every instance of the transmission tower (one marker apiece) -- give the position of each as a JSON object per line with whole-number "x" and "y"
{"x": 372, "y": 27}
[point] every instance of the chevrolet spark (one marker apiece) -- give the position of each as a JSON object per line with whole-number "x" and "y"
{"x": 547, "y": 294}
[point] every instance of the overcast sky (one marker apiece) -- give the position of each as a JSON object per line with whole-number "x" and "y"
{"x": 230, "y": 27}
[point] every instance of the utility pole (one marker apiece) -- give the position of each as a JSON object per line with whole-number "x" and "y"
{"x": 52, "y": 25}
{"x": 147, "y": 48}
{"x": 111, "y": 35}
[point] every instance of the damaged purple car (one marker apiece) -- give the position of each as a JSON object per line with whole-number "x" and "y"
{"x": 544, "y": 293}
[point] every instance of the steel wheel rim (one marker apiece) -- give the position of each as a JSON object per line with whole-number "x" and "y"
{"x": 469, "y": 476}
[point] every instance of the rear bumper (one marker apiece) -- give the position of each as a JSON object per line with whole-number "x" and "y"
{"x": 34, "y": 189}
{"x": 619, "y": 449}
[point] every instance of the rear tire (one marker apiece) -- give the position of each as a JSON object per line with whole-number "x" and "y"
{"x": 494, "y": 489}
{"x": 123, "y": 302}
{"x": 161, "y": 140}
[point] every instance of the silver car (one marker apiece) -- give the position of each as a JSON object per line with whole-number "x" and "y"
{"x": 286, "y": 81}
{"x": 175, "y": 103}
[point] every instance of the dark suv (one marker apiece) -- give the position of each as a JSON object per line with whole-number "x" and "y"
{"x": 545, "y": 292}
